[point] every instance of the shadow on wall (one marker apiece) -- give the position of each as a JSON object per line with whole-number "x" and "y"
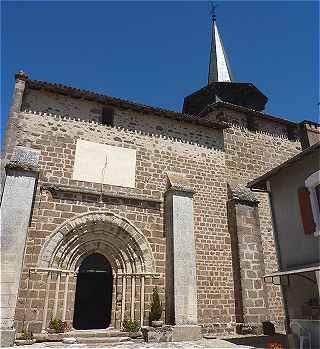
{"x": 278, "y": 341}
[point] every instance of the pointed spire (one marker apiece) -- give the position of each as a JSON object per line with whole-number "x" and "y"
{"x": 243, "y": 94}
{"x": 219, "y": 68}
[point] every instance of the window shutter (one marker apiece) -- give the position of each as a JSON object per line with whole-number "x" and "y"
{"x": 306, "y": 211}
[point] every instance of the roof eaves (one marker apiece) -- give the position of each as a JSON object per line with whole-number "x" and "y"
{"x": 78, "y": 93}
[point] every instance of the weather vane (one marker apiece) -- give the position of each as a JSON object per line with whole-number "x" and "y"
{"x": 212, "y": 10}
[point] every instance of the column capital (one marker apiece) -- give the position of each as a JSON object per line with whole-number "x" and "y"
{"x": 242, "y": 194}
{"x": 177, "y": 182}
{"x": 24, "y": 159}
{"x": 21, "y": 75}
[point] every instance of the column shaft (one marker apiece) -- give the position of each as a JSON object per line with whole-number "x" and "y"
{"x": 123, "y": 300}
{"x": 142, "y": 301}
{"x": 65, "y": 297}
{"x": 56, "y": 296}
{"x": 46, "y": 300}
{"x": 133, "y": 296}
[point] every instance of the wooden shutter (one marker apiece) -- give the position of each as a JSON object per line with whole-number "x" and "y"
{"x": 306, "y": 211}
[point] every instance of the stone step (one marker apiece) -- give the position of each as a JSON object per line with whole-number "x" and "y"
{"x": 95, "y": 333}
{"x": 102, "y": 340}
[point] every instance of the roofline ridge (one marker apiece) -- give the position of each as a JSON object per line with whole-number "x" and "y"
{"x": 179, "y": 115}
{"x": 250, "y": 110}
{"x": 106, "y": 96}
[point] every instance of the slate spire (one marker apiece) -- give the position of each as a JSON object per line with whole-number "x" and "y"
{"x": 221, "y": 87}
{"x": 219, "y": 68}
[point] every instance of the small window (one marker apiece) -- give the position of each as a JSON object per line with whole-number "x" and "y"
{"x": 107, "y": 116}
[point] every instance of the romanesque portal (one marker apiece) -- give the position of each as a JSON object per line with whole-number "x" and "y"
{"x": 98, "y": 264}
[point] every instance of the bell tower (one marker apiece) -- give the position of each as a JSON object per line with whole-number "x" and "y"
{"x": 221, "y": 86}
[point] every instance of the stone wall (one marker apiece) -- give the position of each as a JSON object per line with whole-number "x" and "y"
{"x": 56, "y": 138}
{"x": 48, "y": 102}
{"x": 49, "y": 214}
{"x": 149, "y": 124}
{"x": 209, "y": 158}
{"x": 249, "y": 154}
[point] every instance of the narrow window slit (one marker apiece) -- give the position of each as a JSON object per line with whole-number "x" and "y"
{"x": 107, "y": 116}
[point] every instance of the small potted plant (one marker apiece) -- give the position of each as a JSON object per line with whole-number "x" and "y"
{"x": 25, "y": 338}
{"x": 156, "y": 309}
{"x": 56, "y": 326}
{"x": 132, "y": 327}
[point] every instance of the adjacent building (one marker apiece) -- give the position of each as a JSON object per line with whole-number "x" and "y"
{"x": 294, "y": 190}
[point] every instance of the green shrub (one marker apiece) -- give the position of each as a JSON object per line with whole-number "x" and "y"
{"x": 156, "y": 306}
{"x": 130, "y": 326}
{"x": 25, "y": 335}
{"x": 57, "y": 325}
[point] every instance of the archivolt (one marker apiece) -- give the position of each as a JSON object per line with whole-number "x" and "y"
{"x": 115, "y": 237}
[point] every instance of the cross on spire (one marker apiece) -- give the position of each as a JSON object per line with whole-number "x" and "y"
{"x": 213, "y": 7}
{"x": 219, "y": 68}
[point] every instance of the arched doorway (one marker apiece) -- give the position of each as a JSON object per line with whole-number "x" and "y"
{"x": 122, "y": 244}
{"x": 93, "y": 299}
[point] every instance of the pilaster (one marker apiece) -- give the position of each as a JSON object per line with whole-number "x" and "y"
{"x": 16, "y": 205}
{"x": 181, "y": 282}
{"x": 248, "y": 261}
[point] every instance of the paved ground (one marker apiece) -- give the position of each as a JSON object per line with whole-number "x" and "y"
{"x": 240, "y": 342}
{"x": 202, "y": 344}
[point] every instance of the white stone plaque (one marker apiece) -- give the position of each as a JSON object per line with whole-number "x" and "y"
{"x": 101, "y": 163}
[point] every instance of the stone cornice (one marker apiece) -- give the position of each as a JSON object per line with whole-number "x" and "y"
{"x": 16, "y": 165}
{"x": 240, "y": 193}
{"x": 21, "y": 75}
{"x": 133, "y": 200}
{"x": 177, "y": 182}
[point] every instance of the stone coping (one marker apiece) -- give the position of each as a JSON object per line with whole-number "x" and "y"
{"x": 15, "y": 165}
{"x": 178, "y": 182}
{"x": 241, "y": 193}
{"x": 25, "y": 159}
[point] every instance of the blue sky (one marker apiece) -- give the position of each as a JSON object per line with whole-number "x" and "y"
{"x": 157, "y": 52}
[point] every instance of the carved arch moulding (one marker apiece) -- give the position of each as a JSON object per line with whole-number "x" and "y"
{"x": 115, "y": 237}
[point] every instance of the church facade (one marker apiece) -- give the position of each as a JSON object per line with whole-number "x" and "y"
{"x": 104, "y": 199}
